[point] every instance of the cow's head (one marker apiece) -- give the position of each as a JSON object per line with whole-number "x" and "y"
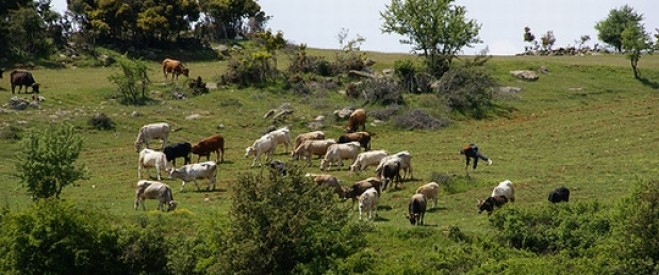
{"x": 249, "y": 151}
{"x": 185, "y": 72}
{"x": 35, "y": 88}
{"x": 413, "y": 217}
{"x": 485, "y": 205}
{"x": 171, "y": 205}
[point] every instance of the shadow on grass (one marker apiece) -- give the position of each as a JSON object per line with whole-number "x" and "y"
{"x": 649, "y": 83}
{"x": 436, "y": 209}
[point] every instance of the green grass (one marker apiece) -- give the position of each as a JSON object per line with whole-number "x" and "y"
{"x": 588, "y": 125}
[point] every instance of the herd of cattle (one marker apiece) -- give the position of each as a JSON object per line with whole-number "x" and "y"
{"x": 333, "y": 151}
{"x": 388, "y": 167}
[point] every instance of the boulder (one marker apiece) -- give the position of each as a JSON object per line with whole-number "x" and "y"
{"x": 525, "y": 75}
{"x": 343, "y": 114}
{"x": 510, "y": 90}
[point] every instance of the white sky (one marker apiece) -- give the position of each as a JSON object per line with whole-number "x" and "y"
{"x": 317, "y": 22}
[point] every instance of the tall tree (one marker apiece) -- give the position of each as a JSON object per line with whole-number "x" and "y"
{"x": 635, "y": 40}
{"x": 227, "y": 16}
{"x": 610, "y": 29}
{"x": 437, "y": 28}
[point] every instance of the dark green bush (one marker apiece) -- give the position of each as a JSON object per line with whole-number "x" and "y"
{"x": 101, "y": 121}
{"x": 144, "y": 249}
{"x": 413, "y": 77}
{"x": 250, "y": 69}
{"x": 282, "y": 224}
{"x": 467, "y": 90}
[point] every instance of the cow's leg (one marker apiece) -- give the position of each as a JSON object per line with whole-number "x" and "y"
{"x": 182, "y": 185}
{"x": 196, "y": 184}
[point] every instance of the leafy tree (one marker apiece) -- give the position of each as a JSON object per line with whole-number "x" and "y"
{"x": 132, "y": 83}
{"x": 286, "y": 225}
{"x": 634, "y": 42}
{"x": 548, "y": 40}
{"x": 610, "y": 29}
{"x": 46, "y": 160}
{"x": 437, "y": 28}
{"x": 226, "y": 16}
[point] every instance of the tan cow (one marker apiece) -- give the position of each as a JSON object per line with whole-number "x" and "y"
{"x": 174, "y": 67}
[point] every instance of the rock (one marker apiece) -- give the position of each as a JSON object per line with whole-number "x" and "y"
{"x": 388, "y": 72}
{"x": 319, "y": 118}
{"x": 525, "y": 75}
{"x": 281, "y": 114}
{"x": 343, "y": 114}
{"x": 135, "y": 114}
{"x": 510, "y": 90}
{"x": 543, "y": 69}
{"x": 221, "y": 126}
{"x": 193, "y": 116}
{"x": 316, "y": 125}
{"x": 17, "y": 103}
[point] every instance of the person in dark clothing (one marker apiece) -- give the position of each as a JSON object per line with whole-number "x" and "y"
{"x": 471, "y": 151}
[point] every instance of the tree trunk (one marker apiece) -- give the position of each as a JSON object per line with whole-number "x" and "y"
{"x": 634, "y": 63}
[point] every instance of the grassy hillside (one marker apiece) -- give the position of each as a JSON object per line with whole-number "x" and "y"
{"x": 587, "y": 124}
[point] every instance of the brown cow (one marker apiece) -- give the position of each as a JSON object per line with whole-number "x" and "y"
{"x": 208, "y": 145}
{"x": 364, "y": 139}
{"x": 174, "y": 67}
{"x": 354, "y": 191}
{"x": 356, "y": 119}
{"x": 23, "y": 78}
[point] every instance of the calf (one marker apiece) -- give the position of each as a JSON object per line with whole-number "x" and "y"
{"x": 312, "y": 147}
{"x": 264, "y": 145}
{"x": 148, "y": 159}
{"x": 368, "y": 202}
{"x": 389, "y": 171}
{"x": 356, "y": 119}
{"x": 178, "y": 150}
{"x": 281, "y": 136}
{"x": 154, "y": 190}
{"x": 366, "y": 159}
{"x": 205, "y": 147}
{"x": 417, "y": 209}
{"x": 364, "y": 139}
{"x": 501, "y": 194}
{"x": 23, "y": 78}
{"x": 193, "y": 172}
{"x": 559, "y": 194}
{"x": 430, "y": 191}
{"x": 152, "y": 131}
{"x": 338, "y": 152}
{"x": 308, "y": 136}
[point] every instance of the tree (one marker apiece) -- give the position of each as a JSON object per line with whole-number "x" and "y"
{"x": 226, "y": 16}
{"x": 46, "y": 160}
{"x": 610, "y": 29}
{"x": 634, "y": 42}
{"x": 437, "y": 28}
{"x": 133, "y": 83}
{"x": 548, "y": 40}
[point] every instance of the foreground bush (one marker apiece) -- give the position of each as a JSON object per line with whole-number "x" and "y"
{"x": 284, "y": 225}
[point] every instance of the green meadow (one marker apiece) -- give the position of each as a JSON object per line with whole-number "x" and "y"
{"x": 587, "y": 124}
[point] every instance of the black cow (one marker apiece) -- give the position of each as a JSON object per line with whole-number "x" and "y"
{"x": 278, "y": 167}
{"x": 390, "y": 171}
{"x": 559, "y": 194}
{"x": 23, "y": 78}
{"x": 177, "y": 150}
{"x": 417, "y": 209}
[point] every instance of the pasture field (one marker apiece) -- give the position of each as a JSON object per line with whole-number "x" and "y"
{"x": 587, "y": 124}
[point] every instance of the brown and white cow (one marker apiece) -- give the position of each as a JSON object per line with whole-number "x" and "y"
{"x": 205, "y": 147}
{"x": 174, "y": 67}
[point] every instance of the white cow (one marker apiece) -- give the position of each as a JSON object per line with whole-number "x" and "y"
{"x": 336, "y": 153}
{"x": 430, "y": 191}
{"x": 368, "y": 202}
{"x": 147, "y": 189}
{"x": 263, "y": 145}
{"x": 504, "y": 189}
{"x": 405, "y": 159}
{"x": 149, "y": 159}
{"x": 312, "y": 147}
{"x": 152, "y": 131}
{"x": 193, "y": 172}
{"x": 366, "y": 159}
{"x": 281, "y": 136}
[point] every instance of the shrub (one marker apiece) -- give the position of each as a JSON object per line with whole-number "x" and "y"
{"x": 349, "y": 60}
{"x": 381, "y": 91}
{"x": 101, "y": 121}
{"x": 419, "y": 120}
{"x": 412, "y": 77}
{"x": 11, "y": 132}
{"x": 144, "y": 249}
{"x": 250, "y": 69}
{"x": 132, "y": 83}
{"x": 46, "y": 160}
{"x": 300, "y": 62}
{"x": 467, "y": 90}
{"x": 282, "y": 224}
{"x": 386, "y": 113}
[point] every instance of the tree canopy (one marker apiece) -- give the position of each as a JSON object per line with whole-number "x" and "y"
{"x": 610, "y": 29}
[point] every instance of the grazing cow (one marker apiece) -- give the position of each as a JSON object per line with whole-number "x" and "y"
{"x": 501, "y": 194}
{"x": 312, "y": 147}
{"x": 430, "y": 191}
{"x": 147, "y": 189}
{"x": 263, "y": 145}
{"x": 178, "y": 150}
{"x": 281, "y": 136}
{"x": 193, "y": 172}
{"x": 356, "y": 119}
{"x": 355, "y": 190}
{"x": 308, "y": 136}
{"x": 364, "y": 139}
{"x": 417, "y": 209}
{"x": 559, "y": 194}
{"x": 337, "y": 153}
{"x": 205, "y": 147}
{"x": 151, "y": 158}
{"x": 405, "y": 159}
{"x": 278, "y": 167}
{"x": 152, "y": 131}
{"x": 368, "y": 202}
{"x": 23, "y": 78}
{"x": 328, "y": 180}
{"x": 389, "y": 171}
{"x": 365, "y": 159}
{"x": 174, "y": 67}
